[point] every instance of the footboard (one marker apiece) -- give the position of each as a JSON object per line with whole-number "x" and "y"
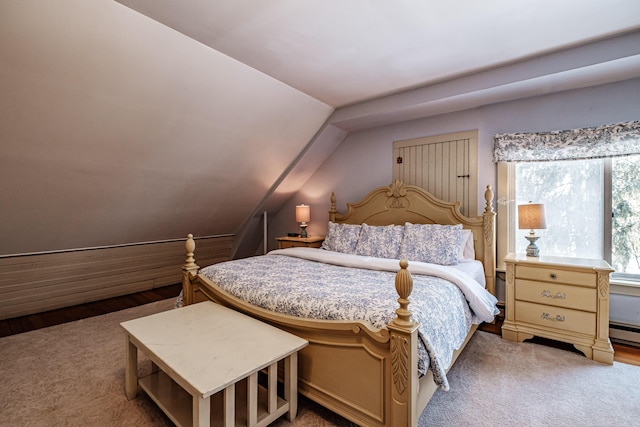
{"x": 368, "y": 376}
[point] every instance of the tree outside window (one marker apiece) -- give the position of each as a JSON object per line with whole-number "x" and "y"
{"x": 625, "y": 221}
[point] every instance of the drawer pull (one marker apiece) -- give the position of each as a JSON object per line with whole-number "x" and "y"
{"x": 559, "y": 295}
{"x": 558, "y": 317}
{"x": 554, "y": 276}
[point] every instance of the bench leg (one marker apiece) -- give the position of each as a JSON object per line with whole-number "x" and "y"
{"x": 229, "y": 410}
{"x": 273, "y": 387}
{"x": 252, "y": 399}
{"x": 291, "y": 384}
{"x": 201, "y": 411}
{"x": 131, "y": 369}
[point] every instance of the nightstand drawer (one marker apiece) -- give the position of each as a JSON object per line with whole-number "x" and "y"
{"x": 299, "y": 242}
{"x": 555, "y": 317}
{"x": 558, "y": 295}
{"x": 286, "y": 244}
{"x": 556, "y": 276}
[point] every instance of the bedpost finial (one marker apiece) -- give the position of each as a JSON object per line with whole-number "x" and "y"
{"x": 333, "y": 211}
{"x": 404, "y": 286}
{"x": 488, "y": 197}
{"x": 404, "y": 281}
{"x": 190, "y": 246}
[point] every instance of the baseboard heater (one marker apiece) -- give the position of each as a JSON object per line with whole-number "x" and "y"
{"x": 624, "y": 333}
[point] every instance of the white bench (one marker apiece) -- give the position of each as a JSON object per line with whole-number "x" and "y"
{"x": 200, "y": 352}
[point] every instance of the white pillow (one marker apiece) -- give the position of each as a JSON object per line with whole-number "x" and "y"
{"x": 467, "y": 250}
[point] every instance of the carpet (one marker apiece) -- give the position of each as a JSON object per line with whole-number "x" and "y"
{"x": 73, "y": 375}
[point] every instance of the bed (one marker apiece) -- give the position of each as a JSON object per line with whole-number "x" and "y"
{"x": 379, "y": 364}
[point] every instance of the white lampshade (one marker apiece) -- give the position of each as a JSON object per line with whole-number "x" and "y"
{"x": 532, "y": 216}
{"x": 303, "y": 213}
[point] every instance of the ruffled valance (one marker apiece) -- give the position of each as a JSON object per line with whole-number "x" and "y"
{"x": 621, "y": 139}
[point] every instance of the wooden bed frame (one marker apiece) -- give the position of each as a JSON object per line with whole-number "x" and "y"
{"x": 368, "y": 376}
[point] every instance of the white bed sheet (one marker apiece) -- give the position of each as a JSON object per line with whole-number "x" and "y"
{"x": 473, "y": 268}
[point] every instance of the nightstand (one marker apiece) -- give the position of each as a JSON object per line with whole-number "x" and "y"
{"x": 294, "y": 242}
{"x": 564, "y": 299}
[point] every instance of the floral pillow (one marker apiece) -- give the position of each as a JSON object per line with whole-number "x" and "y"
{"x": 341, "y": 238}
{"x": 432, "y": 243}
{"x": 380, "y": 241}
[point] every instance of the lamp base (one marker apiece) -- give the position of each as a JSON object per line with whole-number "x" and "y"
{"x": 303, "y": 233}
{"x": 532, "y": 248}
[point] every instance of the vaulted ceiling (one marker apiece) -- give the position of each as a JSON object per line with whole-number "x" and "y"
{"x": 344, "y": 52}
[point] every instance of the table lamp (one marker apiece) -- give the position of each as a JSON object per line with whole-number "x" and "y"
{"x": 531, "y": 216}
{"x": 303, "y": 215}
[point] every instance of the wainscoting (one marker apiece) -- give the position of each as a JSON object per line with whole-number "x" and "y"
{"x": 34, "y": 283}
{"x": 31, "y": 322}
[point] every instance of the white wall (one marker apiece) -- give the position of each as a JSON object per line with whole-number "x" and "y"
{"x": 364, "y": 159}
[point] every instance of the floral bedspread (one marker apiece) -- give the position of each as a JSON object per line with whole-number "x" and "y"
{"x": 317, "y": 290}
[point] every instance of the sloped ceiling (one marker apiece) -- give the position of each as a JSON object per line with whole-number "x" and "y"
{"x": 344, "y": 52}
{"x": 117, "y": 129}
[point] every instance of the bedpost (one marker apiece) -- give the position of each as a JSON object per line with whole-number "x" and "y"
{"x": 489, "y": 219}
{"x": 333, "y": 211}
{"x": 189, "y": 269}
{"x": 404, "y": 355}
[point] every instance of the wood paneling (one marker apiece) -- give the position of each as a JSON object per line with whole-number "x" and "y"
{"x": 31, "y": 322}
{"x": 40, "y": 282}
{"x": 444, "y": 165}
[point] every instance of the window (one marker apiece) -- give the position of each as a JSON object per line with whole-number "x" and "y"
{"x": 572, "y": 194}
{"x": 592, "y": 209}
{"x": 625, "y": 215}
{"x": 589, "y": 181}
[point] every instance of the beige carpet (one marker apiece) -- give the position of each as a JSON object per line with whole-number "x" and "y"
{"x": 73, "y": 375}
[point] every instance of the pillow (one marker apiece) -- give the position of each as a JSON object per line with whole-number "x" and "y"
{"x": 380, "y": 241}
{"x": 467, "y": 250}
{"x": 341, "y": 238}
{"x": 432, "y": 243}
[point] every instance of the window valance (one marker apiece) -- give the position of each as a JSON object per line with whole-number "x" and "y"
{"x": 620, "y": 139}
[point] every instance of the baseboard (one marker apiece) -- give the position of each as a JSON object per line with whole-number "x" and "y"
{"x": 624, "y": 333}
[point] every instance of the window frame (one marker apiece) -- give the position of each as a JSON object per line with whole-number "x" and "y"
{"x": 506, "y": 211}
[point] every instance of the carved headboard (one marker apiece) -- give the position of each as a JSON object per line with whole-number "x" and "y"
{"x": 399, "y": 203}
